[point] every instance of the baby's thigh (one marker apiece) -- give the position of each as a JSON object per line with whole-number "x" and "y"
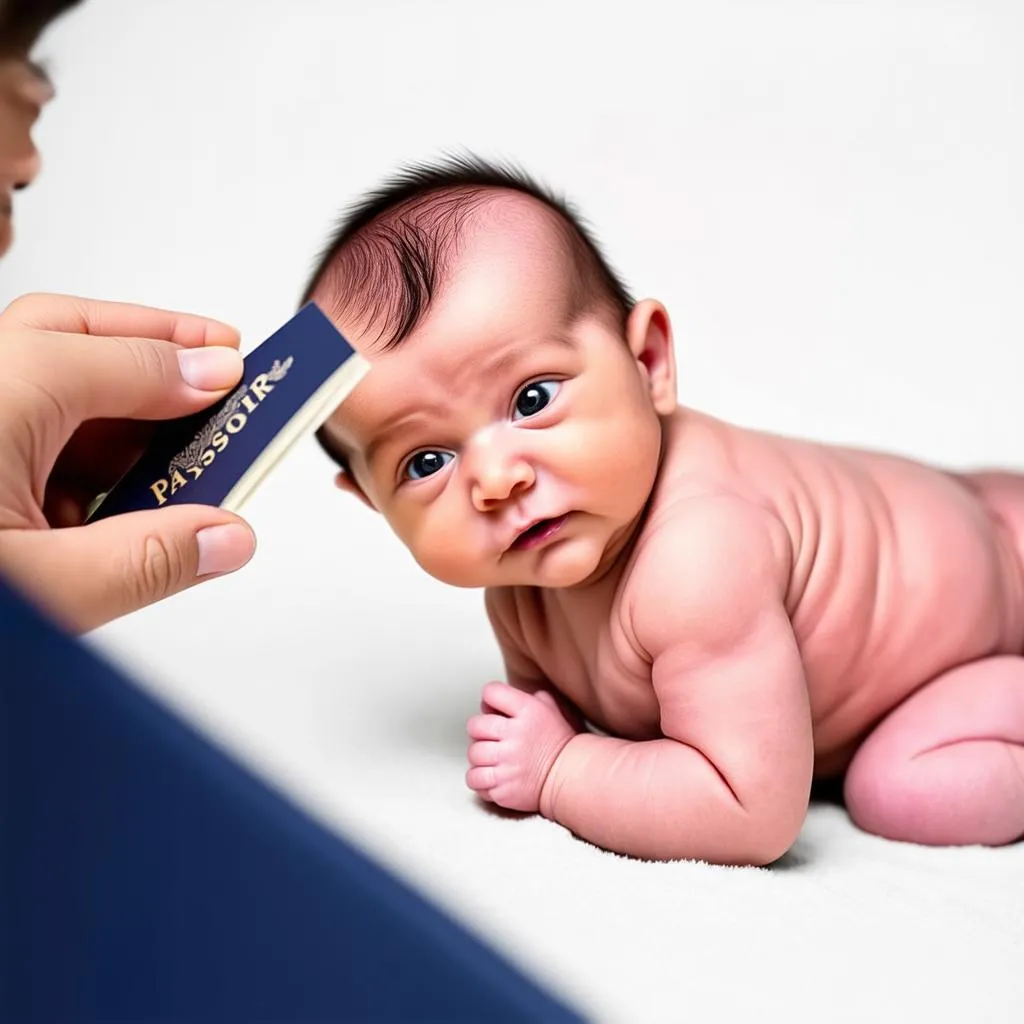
{"x": 983, "y": 698}
{"x": 947, "y": 765}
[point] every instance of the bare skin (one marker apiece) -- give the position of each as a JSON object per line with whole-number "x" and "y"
{"x": 24, "y": 91}
{"x": 894, "y": 581}
{"x": 735, "y": 612}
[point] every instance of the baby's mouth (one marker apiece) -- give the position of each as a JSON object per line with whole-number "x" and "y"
{"x": 538, "y": 533}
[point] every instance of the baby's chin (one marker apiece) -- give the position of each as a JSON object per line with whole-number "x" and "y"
{"x": 562, "y": 566}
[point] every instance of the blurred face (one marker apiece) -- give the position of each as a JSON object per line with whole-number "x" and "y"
{"x": 505, "y": 442}
{"x": 24, "y": 91}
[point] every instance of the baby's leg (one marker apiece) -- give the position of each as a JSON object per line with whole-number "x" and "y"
{"x": 946, "y": 767}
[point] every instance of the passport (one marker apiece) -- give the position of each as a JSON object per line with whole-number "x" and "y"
{"x": 291, "y": 384}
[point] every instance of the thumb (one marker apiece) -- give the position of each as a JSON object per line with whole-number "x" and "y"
{"x": 88, "y": 575}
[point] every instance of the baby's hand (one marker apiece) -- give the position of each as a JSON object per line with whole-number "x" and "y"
{"x": 513, "y": 744}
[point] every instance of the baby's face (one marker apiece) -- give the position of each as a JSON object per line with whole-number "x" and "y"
{"x": 505, "y": 444}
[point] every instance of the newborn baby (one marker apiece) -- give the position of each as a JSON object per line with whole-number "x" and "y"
{"x": 696, "y": 620}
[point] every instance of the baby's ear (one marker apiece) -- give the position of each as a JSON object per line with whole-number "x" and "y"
{"x": 649, "y": 336}
{"x": 346, "y": 482}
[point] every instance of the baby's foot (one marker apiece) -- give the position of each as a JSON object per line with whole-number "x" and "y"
{"x": 513, "y": 744}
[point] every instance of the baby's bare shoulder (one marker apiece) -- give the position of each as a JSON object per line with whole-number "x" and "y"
{"x": 705, "y": 560}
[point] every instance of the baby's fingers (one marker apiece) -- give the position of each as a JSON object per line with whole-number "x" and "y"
{"x": 483, "y": 754}
{"x": 505, "y": 699}
{"x": 482, "y": 779}
{"x": 486, "y": 727}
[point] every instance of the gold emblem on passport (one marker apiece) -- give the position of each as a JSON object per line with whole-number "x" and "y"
{"x": 216, "y": 435}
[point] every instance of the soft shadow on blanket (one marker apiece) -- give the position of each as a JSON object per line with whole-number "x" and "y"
{"x": 823, "y": 792}
{"x": 438, "y": 724}
{"x": 433, "y": 717}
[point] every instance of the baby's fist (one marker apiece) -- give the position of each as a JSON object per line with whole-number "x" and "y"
{"x": 513, "y": 745}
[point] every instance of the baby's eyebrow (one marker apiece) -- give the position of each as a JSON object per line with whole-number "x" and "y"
{"x": 488, "y": 369}
{"x": 510, "y": 357}
{"x": 395, "y": 424}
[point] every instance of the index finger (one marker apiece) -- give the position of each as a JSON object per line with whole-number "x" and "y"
{"x": 70, "y": 314}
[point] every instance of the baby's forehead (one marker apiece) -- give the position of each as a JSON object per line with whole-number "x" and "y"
{"x": 444, "y": 250}
{"x": 485, "y": 330}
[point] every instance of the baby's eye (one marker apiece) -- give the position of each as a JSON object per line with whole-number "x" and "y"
{"x": 535, "y": 397}
{"x": 426, "y": 464}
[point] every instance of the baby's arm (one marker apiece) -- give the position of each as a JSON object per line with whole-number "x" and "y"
{"x": 730, "y": 781}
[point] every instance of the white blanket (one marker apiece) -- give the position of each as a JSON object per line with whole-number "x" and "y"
{"x": 348, "y": 687}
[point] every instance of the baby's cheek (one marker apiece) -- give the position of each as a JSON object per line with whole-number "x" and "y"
{"x": 446, "y": 544}
{"x": 617, "y": 453}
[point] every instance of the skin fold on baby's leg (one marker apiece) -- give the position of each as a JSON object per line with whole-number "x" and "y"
{"x": 946, "y": 767}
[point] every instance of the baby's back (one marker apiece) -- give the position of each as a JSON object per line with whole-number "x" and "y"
{"x": 897, "y": 571}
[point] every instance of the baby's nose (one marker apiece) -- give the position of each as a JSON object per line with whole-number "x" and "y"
{"x": 497, "y": 477}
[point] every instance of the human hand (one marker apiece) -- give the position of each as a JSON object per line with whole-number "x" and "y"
{"x": 76, "y": 378}
{"x": 513, "y": 744}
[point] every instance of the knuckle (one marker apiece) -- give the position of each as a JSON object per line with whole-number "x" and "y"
{"x": 32, "y": 387}
{"x": 146, "y": 357}
{"x": 153, "y": 570}
{"x": 38, "y": 404}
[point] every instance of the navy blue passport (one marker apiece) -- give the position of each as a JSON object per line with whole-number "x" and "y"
{"x": 292, "y": 383}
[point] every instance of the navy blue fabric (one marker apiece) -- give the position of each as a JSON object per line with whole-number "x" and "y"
{"x": 146, "y": 876}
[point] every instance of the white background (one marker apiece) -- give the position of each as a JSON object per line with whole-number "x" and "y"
{"x": 829, "y": 199}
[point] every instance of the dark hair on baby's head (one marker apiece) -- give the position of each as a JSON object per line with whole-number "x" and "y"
{"x": 22, "y": 22}
{"x": 388, "y": 254}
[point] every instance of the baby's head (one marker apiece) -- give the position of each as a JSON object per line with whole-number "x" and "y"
{"x": 510, "y": 430}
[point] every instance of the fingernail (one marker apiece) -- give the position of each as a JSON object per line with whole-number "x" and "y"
{"x": 210, "y": 369}
{"x": 224, "y": 548}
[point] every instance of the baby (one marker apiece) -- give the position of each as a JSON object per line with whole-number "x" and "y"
{"x": 696, "y": 620}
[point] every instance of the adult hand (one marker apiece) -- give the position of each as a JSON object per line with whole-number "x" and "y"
{"x": 76, "y": 378}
